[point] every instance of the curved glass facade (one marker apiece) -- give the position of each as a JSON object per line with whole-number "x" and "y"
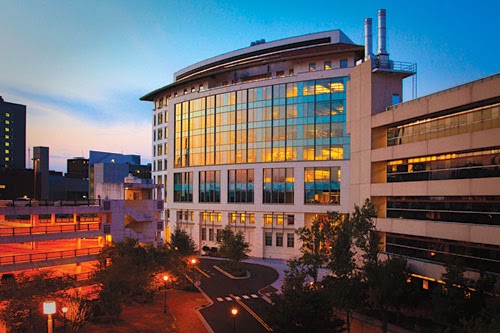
{"x": 299, "y": 121}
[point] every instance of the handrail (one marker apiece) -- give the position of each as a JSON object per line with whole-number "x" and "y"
{"x": 45, "y": 256}
{"x": 49, "y": 229}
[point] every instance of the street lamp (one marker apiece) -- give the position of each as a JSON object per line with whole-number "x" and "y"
{"x": 49, "y": 308}
{"x": 193, "y": 262}
{"x": 64, "y": 309}
{"x": 234, "y": 312}
{"x": 165, "y": 279}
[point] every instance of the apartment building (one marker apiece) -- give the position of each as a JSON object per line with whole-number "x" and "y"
{"x": 13, "y": 134}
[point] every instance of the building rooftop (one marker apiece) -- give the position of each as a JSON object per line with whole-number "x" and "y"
{"x": 263, "y": 52}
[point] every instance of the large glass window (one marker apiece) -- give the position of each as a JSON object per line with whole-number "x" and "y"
{"x": 322, "y": 186}
{"x": 287, "y": 122}
{"x": 477, "y": 256}
{"x": 183, "y": 187}
{"x": 477, "y": 210}
{"x": 477, "y": 119}
{"x": 240, "y": 185}
{"x": 210, "y": 186}
{"x": 478, "y": 164}
{"x": 278, "y": 186}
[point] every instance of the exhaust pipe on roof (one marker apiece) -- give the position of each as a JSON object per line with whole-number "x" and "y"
{"x": 368, "y": 39}
{"x": 381, "y": 33}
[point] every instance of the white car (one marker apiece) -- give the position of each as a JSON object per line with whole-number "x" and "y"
{"x": 20, "y": 202}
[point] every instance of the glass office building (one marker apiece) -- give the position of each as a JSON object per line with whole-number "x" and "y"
{"x": 256, "y": 139}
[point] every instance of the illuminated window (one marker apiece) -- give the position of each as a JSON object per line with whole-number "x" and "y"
{"x": 7, "y": 151}
{"x": 7, "y": 129}
{"x": 201, "y": 87}
{"x": 7, "y": 122}
{"x": 290, "y": 72}
{"x": 322, "y": 186}
{"x": 7, "y": 144}
{"x": 328, "y": 65}
{"x": 7, "y": 114}
{"x": 7, "y": 136}
{"x": 312, "y": 67}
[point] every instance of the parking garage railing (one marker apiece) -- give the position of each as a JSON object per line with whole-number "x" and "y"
{"x": 46, "y": 256}
{"x": 49, "y": 229}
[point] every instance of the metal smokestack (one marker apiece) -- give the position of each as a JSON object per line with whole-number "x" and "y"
{"x": 368, "y": 39}
{"x": 381, "y": 32}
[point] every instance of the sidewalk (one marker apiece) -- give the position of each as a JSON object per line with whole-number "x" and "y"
{"x": 181, "y": 316}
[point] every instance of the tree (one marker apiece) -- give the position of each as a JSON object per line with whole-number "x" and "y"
{"x": 301, "y": 308}
{"x": 363, "y": 226}
{"x": 316, "y": 245}
{"x": 233, "y": 246}
{"x": 78, "y": 312}
{"x": 22, "y": 299}
{"x": 387, "y": 286}
{"x": 451, "y": 301}
{"x": 182, "y": 242}
{"x": 126, "y": 272}
{"x": 345, "y": 287}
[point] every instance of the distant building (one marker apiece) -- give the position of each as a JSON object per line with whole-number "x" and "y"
{"x": 78, "y": 168}
{"x": 105, "y": 167}
{"x": 13, "y": 135}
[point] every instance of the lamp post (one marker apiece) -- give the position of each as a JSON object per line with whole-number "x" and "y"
{"x": 49, "y": 308}
{"x": 165, "y": 279}
{"x": 64, "y": 309}
{"x": 234, "y": 312}
{"x": 193, "y": 262}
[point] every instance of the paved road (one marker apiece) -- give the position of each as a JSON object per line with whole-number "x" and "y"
{"x": 226, "y": 293}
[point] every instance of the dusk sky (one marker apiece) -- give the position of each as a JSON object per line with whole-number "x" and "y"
{"x": 81, "y": 66}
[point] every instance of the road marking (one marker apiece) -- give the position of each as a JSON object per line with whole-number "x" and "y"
{"x": 202, "y": 272}
{"x": 259, "y": 319}
{"x": 220, "y": 299}
{"x": 254, "y": 296}
{"x": 229, "y": 299}
{"x": 237, "y": 297}
{"x": 246, "y": 297}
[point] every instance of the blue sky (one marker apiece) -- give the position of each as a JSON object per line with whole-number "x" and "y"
{"x": 81, "y": 66}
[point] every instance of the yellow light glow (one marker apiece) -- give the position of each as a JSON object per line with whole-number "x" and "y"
{"x": 337, "y": 87}
{"x": 234, "y": 311}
